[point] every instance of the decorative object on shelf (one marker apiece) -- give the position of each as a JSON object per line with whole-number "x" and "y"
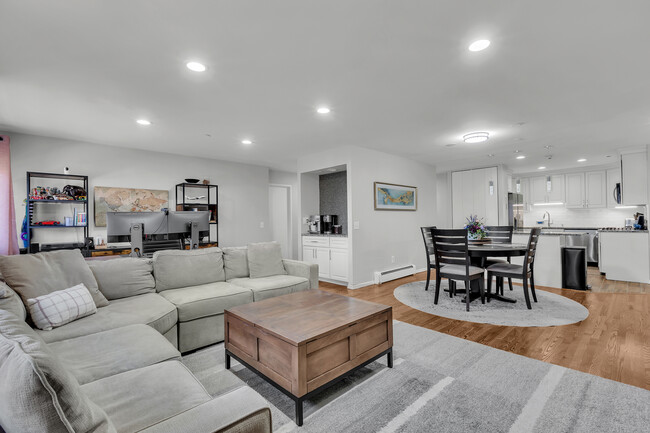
{"x": 115, "y": 199}
{"x": 476, "y": 230}
{"x": 200, "y": 197}
{"x": 206, "y": 182}
{"x": 390, "y": 196}
{"x": 192, "y": 180}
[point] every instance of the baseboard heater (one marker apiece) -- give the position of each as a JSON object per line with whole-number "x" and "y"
{"x": 393, "y": 274}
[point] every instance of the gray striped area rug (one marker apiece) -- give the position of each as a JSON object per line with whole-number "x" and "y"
{"x": 446, "y": 384}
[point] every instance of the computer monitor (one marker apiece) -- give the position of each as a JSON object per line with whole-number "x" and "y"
{"x": 118, "y": 224}
{"x": 179, "y": 225}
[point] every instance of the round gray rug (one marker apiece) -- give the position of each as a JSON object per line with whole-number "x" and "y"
{"x": 549, "y": 310}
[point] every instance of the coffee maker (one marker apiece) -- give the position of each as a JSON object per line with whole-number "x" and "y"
{"x": 328, "y": 223}
{"x": 315, "y": 224}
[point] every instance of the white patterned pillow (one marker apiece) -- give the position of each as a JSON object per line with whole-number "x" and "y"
{"x": 61, "y": 307}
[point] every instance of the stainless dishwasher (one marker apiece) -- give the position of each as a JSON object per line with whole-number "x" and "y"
{"x": 587, "y": 239}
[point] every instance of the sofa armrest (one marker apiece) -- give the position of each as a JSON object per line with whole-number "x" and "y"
{"x": 302, "y": 269}
{"x": 241, "y": 410}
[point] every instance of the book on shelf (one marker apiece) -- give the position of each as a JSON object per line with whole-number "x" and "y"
{"x": 80, "y": 218}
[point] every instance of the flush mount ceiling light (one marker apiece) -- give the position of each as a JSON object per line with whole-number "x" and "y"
{"x": 582, "y": 160}
{"x": 196, "y": 66}
{"x": 521, "y": 157}
{"x": 143, "y": 122}
{"x": 323, "y": 110}
{"x": 541, "y": 168}
{"x": 479, "y": 45}
{"x": 476, "y": 137}
{"x": 247, "y": 141}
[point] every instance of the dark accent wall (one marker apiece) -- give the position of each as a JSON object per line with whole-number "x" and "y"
{"x": 333, "y": 189}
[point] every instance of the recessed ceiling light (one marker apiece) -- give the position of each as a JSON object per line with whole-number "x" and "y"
{"x": 541, "y": 168}
{"x": 582, "y": 160}
{"x": 247, "y": 141}
{"x": 196, "y": 66}
{"x": 521, "y": 157}
{"x": 476, "y": 137}
{"x": 490, "y": 155}
{"x": 323, "y": 110}
{"x": 516, "y": 151}
{"x": 479, "y": 45}
{"x": 143, "y": 122}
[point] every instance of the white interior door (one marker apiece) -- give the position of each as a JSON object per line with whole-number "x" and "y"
{"x": 280, "y": 217}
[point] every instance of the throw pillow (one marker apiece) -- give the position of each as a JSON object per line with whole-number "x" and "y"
{"x": 265, "y": 259}
{"x": 235, "y": 262}
{"x": 123, "y": 278}
{"x": 38, "y": 393}
{"x": 34, "y": 275}
{"x": 61, "y": 307}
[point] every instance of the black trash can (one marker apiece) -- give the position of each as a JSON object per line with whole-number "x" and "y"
{"x": 574, "y": 268}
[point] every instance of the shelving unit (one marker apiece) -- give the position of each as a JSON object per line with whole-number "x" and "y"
{"x": 200, "y": 197}
{"x": 35, "y": 179}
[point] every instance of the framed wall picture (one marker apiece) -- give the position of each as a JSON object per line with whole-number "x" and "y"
{"x": 389, "y": 196}
{"x": 116, "y": 199}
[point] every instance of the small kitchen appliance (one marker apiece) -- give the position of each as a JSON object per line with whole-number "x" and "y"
{"x": 327, "y": 223}
{"x": 314, "y": 224}
{"x": 639, "y": 221}
{"x": 629, "y": 223}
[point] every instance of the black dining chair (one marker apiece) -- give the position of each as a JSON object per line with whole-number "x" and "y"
{"x": 428, "y": 249}
{"x": 523, "y": 272}
{"x": 499, "y": 235}
{"x": 453, "y": 262}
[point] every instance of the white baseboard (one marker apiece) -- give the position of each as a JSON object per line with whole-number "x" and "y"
{"x": 360, "y": 285}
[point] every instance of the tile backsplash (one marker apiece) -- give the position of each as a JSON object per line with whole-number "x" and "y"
{"x": 561, "y": 216}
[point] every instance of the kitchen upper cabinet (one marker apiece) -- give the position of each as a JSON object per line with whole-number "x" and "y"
{"x": 613, "y": 178}
{"x": 542, "y": 192}
{"x": 634, "y": 178}
{"x": 475, "y": 192}
{"x": 596, "y": 189}
{"x": 575, "y": 190}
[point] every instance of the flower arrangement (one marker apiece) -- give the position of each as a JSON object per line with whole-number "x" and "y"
{"x": 475, "y": 228}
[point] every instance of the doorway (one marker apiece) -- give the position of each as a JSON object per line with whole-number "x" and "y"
{"x": 280, "y": 217}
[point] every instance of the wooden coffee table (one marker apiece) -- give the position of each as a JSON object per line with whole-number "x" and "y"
{"x": 304, "y": 342}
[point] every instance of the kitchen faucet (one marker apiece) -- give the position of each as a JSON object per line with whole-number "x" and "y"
{"x": 549, "y": 218}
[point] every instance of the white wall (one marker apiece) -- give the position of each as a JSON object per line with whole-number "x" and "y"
{"x": 385, "y": 234}
{"x": 277, "y": 177}
{"x": 443, "y": 200}
{"x": 243, "y": 189}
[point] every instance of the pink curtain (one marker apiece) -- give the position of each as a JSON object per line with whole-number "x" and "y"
{"x": 8, "y": 234}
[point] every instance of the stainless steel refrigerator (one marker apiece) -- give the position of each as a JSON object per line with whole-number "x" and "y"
{"x": 516, "y": 210}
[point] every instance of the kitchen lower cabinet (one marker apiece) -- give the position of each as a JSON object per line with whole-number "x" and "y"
{"x": 329, "y": 253}
{"x": 624, "y": 256}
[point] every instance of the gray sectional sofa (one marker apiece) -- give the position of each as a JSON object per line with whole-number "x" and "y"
{"x": 120, "y": 369}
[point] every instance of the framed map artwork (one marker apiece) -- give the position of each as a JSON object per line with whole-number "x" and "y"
{"x": 112, "y": 199}
{"x": 389, "y": 196}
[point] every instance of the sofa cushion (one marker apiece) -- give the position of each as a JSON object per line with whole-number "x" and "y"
{"x": 173, "y": 269}
{"x": 139, "y": 398}
{"x": 121, "y": 278}
{"x": 149, "y": 309}
{"x": 235, "y": 262}
{"x": 63, "y": 306}
{"x": 107, "y": 353}
{"x": 265, "y": 259}
{"x": 33, "y": 275}
{"x": 38, "y": 394}
{"x": 206, "y": 299}
{"x": 10, "y": 301}
{"x": 268, "y": 287}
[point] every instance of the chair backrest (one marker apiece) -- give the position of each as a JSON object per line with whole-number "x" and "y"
{"x": 428, "y": 242}
{"x": 499, "y": 234}
{"x": 529, "y": 259}
{"x": 451, "y": 248}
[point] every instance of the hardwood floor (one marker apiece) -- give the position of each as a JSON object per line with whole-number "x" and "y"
{"x": 613, "y": 342}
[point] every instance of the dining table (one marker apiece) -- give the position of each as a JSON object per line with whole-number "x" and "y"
{"x": 479, "y": 254}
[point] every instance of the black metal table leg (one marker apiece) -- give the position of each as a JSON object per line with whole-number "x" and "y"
{"x": 227, "y": 361}
{"x": 298, "y": 411}
{"x": 389, "y": 356}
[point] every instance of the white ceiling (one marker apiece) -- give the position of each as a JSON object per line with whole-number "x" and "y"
{"x": 397, "y": 75}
